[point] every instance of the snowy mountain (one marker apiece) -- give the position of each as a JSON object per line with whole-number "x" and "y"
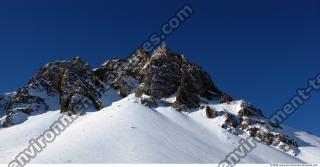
{"x": 146, "y": 108}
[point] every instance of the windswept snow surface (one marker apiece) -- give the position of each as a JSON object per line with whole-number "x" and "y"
{"x": 128, "y": 132}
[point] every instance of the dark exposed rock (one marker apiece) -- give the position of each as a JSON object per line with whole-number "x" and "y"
{"x": 124, "y": 74}
{"x": 179, "y": 107}
{"x": 231, "y": 120}
{"x": 245, "y": 123}
{"x": 110, "y": 70}
{"x": 195, "y": 83}
{"x": 266, "y": 138}
{"x": 138, "y": 92}
{"x": 137, "y": 62}
{"x": 230, "y": 123}
{"x": 253, "y": 122}
{"x": 225, "y": 98}
{"x": 249, "y": 110}
{"x": 184, "y": 97}
{"x": 211, "y": 113}
{"x": 126, "y": 85}
{"x": 149, "y": 102}
{"x": 24, "y": 101}
{"x": 282, "y": 138}
{"x": 4, "y": 102}
{"x": 118, "y": 71}
{"x": 76, "y": 83}
{"x": 73, "y": 82}
{"x": 115, "y": 72}
{"x": 252, "y": 131}
{"x": 161, "y": 73}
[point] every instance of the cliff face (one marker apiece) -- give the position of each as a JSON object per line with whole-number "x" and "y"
{"x": 4, "y": 101}
{"x": 160, "y": 75}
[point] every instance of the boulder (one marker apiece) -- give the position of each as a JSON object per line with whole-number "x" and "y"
{"x": 211, "y": 113}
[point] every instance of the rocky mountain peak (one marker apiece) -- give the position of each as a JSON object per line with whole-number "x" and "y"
{"x": 162, "y": 50}
{"x": 77, "y": 59}
{"x": 160, "y": 75}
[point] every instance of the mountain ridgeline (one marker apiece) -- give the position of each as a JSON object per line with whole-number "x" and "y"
{"x": 64, "y": 85}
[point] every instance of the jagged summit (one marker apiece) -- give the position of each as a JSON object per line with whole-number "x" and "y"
{"x": 69, "y": 82}
{"x": 162, "y": 50}
{"x": 159, "y": 75}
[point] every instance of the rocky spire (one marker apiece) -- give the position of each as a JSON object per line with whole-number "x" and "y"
{"x": 162, "y": 50}
{"x": 77, "y": 59}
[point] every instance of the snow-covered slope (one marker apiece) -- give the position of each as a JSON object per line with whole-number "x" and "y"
{"x": 127, "y": 132}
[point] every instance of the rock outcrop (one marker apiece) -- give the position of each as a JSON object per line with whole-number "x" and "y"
{"x": 72, "y": 82}
{"x": 211, "y": 113}
{"x": 251, "y": 121}
{"x": 160, "y": 75}
{"x": 4, "y": 102}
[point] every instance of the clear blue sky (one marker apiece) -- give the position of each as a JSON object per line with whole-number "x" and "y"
{"x": 261, "y": 51}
